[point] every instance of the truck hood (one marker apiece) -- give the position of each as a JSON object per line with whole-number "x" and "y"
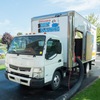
{"x": 24, "y": 60}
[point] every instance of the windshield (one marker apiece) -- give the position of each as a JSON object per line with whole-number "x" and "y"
{"x": 33, "y": 45}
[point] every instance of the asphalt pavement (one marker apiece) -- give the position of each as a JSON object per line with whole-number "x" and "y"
{"x": 96, "y": 69}
{"x": 13, "y": 91}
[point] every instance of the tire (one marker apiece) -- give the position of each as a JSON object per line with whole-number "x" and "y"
{"x": 56, "y": 81}
{"x": 86, "y": 68}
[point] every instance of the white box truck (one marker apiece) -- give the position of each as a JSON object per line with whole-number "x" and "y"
{"x": 45, "y": 56}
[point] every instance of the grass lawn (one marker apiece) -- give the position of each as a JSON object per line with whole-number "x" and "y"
{"x": 90, "y": 93}
{"x": 2, "y": 67}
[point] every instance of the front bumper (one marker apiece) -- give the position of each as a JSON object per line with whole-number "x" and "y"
{"x": 25, "y": 80}
{"x": 37, "y": 82}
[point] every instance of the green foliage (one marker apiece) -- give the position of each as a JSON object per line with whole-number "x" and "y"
{"x": 92, "y": 18}
{"x": 19, "y": 33}
{"x": 98, "y": 34}
{"x": 2, "y": 67}
{"x": 2, "y": 56}
{"x": 0, "y": 40}
{"x": 90, "y": 93}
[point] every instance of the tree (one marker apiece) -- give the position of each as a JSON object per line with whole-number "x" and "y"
{"x": 6, "y": 38}
{"x": 92, "y": 18}
{"x": 98, "y": 34}
{"x": 0, "y": 40}
{"x": 19, "y": 33}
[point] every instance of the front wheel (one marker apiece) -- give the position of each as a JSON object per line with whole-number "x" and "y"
{"x": 56, "y": 80}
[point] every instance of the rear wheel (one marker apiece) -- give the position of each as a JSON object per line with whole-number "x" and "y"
{"x": 56, "y": 80}
{"x": 86, "y": 68}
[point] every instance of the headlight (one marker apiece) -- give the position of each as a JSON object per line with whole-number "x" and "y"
{"x": 37, "y": 70}
{"x": 37, "y": 73}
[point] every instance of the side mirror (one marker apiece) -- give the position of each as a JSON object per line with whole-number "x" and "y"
{"x": 59, "y": 48}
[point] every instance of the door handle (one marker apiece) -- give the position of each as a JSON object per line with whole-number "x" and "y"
{"x": 59, "y": 60}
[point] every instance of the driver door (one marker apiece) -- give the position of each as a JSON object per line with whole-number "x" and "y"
{"x": 53, "y": 58}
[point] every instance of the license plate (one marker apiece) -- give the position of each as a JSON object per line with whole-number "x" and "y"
{"x": 18, "y": 80}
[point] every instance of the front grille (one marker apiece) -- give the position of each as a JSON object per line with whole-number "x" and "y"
{"x": 22, "y": 75}
{"x": 19, "y": 68}
{"x": 14, "y": 67}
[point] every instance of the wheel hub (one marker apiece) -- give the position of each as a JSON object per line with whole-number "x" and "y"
{"x": 56, "y": 80}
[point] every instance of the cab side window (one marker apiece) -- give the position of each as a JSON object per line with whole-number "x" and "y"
{"x": 52, "y": 45}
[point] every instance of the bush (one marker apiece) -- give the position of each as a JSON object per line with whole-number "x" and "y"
{"x": 2, "y": 56}
{"x": 0, "y": 40}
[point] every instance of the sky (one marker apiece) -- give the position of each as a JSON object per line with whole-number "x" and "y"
{"x": 15, "y": 15}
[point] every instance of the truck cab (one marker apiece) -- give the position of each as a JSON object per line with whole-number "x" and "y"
{"x": 35, "y": 60}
